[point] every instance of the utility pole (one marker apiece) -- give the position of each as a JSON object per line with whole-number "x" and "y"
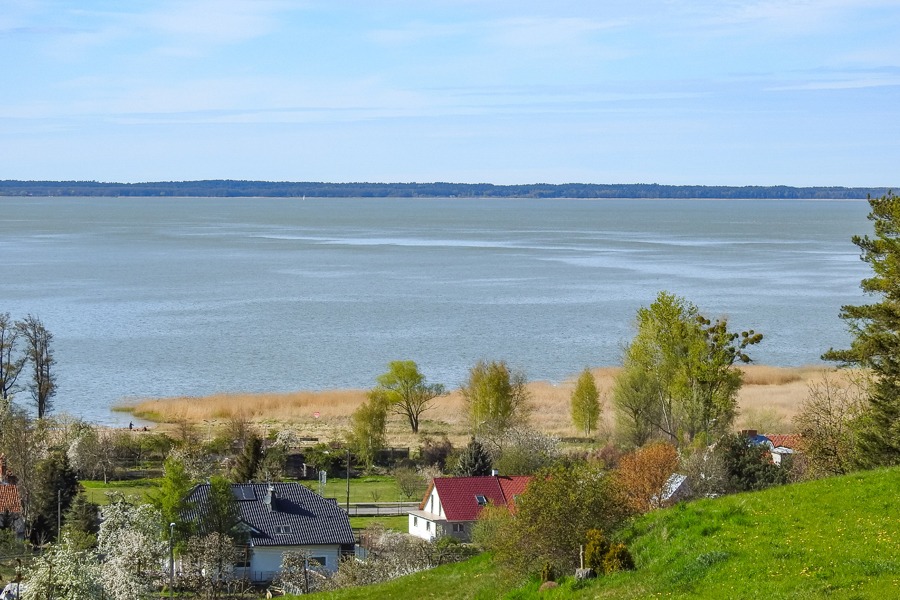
{"x": 171, "y": 560}
{"x": 58, "y": 514}
{"x": 348, "y": 481}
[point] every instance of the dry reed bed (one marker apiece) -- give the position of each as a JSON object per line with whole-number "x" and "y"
{"x": 769, "y": 398}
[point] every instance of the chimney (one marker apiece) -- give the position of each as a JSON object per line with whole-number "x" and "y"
{"x": 495, "y": 473}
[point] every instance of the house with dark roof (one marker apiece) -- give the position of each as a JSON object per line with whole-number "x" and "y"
{"x": 279, "y": 518}
{"x": 452, "y": 504}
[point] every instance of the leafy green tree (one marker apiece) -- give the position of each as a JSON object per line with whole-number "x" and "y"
{"x": 496, "y": 397}
{"x": 407, "y": 392}
{"x": 221, "y": 511}
{"x": 368, "y": 426}
{"x": 678, "y": 374}
{"x": 552, "y": 519}
{"x": 171, "y": 501}
{"x": 634, "y": 396}
{"x": 247, "y": 462}
{"x": 586, "y": 403}
{"x": 474, "y": 461}
{"x": 876, "y": 334}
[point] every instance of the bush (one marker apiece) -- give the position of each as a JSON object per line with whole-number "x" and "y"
{"x": 618, "y": 558}
{"x": 435, "y": 452}
{"x": 595, "y": 550}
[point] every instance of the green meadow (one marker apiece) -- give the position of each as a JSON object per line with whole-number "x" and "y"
{"x": 832, "y": 538}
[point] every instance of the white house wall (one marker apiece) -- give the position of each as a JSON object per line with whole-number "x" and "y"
{"x": 421, "y": 527}
{"x": 265, "y": 561}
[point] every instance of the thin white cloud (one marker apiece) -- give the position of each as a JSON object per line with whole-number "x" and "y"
{"x": 536, "y": 32}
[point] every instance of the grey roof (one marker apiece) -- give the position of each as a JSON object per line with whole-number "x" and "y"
{"x": 298, "y": 516}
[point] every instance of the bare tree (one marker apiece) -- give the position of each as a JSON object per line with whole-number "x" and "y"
{"x": 830, "y": 421}
{"x": 39, "y": 355}
{"x": 10, "y": 364}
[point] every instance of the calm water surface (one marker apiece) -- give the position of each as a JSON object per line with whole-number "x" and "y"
{"x": 172, "y": 296}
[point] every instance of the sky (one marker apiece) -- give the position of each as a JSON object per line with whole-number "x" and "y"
{"x": 725, "y": 92}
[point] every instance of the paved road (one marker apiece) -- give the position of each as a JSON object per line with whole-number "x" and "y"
{"x": 371, "y": 509}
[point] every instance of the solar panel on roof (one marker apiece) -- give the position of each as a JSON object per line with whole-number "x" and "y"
{"x": 243, "y": 492}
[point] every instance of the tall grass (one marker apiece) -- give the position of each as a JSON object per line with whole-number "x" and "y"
{"x": 771, "y": 395}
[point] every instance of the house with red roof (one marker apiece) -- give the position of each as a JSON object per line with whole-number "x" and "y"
{"x": 10, "y": 501}
{"x": 452, "y": 504}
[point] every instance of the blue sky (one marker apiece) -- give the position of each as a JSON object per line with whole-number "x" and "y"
{"x": 727, "y": 92}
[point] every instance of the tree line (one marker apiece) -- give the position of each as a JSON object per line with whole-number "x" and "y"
{"x": 288, "y": 189}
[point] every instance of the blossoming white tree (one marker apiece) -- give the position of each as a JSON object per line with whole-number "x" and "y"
{"x": 64, "y": 572}
{"x": 130, "y": 541}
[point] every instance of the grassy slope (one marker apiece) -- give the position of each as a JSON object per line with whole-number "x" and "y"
{"x": 835, "y": 538}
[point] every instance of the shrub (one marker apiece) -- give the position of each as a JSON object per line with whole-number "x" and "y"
{"x": 618, "y": 558}
{"x": 595, "y": 550}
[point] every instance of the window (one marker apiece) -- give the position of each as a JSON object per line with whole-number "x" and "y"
{"x": 458, "y": 528}
{"x": 427, "y": 525}
{"x": 415, "y": 521}
{"x": 320, "y": 560}
{"x": 481, "y": 500}
{"x": 282, "y": 529}
{"x": 242, "y": 557}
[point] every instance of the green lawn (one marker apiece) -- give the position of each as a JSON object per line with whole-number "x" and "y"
{"x": 836, "y": 538}
{"x": 397, "y": 523}
{"x": 97, "y": 491}
{"x": 362, "y": 489}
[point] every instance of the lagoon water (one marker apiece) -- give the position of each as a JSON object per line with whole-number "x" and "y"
{"x": 188, "y": 296}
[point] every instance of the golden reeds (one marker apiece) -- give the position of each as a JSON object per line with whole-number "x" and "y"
{"x": 770, "y": 395}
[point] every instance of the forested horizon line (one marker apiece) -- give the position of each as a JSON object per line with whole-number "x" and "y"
{"x": 288, "y": 189}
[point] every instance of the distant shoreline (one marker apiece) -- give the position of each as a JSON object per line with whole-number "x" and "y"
{"x": 227, "y": 188}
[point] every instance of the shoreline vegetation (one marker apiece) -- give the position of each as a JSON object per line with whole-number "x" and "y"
{"x": 289, "y": 189}
{"x": 768, "y": 400}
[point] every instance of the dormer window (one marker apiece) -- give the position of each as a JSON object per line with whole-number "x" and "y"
{"x": 481, "y": 500}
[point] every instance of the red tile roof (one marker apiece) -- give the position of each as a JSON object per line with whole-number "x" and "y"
{"x": 457, "y": 494}
{"x": 9, "y": 499}
{"x": 784, "y": 440}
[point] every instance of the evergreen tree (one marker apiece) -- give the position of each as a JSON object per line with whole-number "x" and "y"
{"x": 586, "y": 403}
{"x": 55, "y": 486}
{"x": 474, "y": 461}
{"x": 248, "y": 460}
{"x": 876, "y": 334}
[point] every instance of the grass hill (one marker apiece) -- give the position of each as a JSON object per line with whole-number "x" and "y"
{"x": 832, "y": 538}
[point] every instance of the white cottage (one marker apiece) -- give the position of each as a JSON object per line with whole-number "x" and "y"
{"x": 279, "y": 518}
{"x": 452, "y": 504}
